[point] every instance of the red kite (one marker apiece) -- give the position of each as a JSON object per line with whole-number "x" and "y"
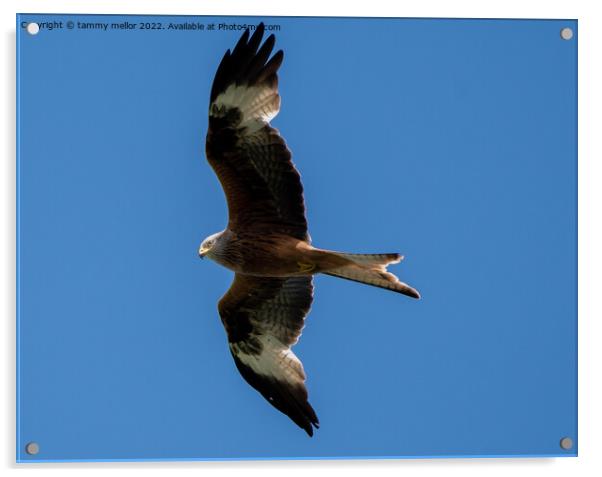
{"x": 266, "y": 242}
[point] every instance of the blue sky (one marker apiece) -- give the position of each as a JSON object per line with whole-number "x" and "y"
{"x": 452, "y": 142}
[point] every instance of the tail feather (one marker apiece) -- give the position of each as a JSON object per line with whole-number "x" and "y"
{"x": 372, "y": 258}
{"x": 371, "y": 269}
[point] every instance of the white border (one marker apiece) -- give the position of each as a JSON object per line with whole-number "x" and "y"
{"x": 590, "y": 237}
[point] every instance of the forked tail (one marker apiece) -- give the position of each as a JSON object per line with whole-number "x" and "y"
{"x": 370, "y": 269}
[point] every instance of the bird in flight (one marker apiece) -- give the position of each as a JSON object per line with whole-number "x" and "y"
{"x": 266, "y": 242}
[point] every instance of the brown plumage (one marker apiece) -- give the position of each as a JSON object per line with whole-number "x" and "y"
{"x": 266, "y": 242}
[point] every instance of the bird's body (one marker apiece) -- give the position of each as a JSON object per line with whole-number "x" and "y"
{"x": 266, "y": 242}
{"x": 272, "y": 255}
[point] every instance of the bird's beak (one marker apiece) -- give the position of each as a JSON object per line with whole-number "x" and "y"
{"x": 202, "y": 253}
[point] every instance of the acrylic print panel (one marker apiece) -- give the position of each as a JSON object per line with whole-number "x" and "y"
{"x": 452, "y": 142}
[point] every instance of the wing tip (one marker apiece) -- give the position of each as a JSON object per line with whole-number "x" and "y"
{"x": 311, "y": 423}
{"x": 290, "y": 400}
{"x": 236, "y": 63}
{"x": 310, "y": 429}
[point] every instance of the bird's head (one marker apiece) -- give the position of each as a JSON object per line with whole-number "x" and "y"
{"x": 208, "y": 244}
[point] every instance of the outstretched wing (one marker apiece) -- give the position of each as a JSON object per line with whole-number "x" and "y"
{"x": 263, "y": 189}
{"x": 263, "y": 318}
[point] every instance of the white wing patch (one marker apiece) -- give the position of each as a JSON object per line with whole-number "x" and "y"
{"x": 258, "y": 104}
{"x": 275, "y": 360}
